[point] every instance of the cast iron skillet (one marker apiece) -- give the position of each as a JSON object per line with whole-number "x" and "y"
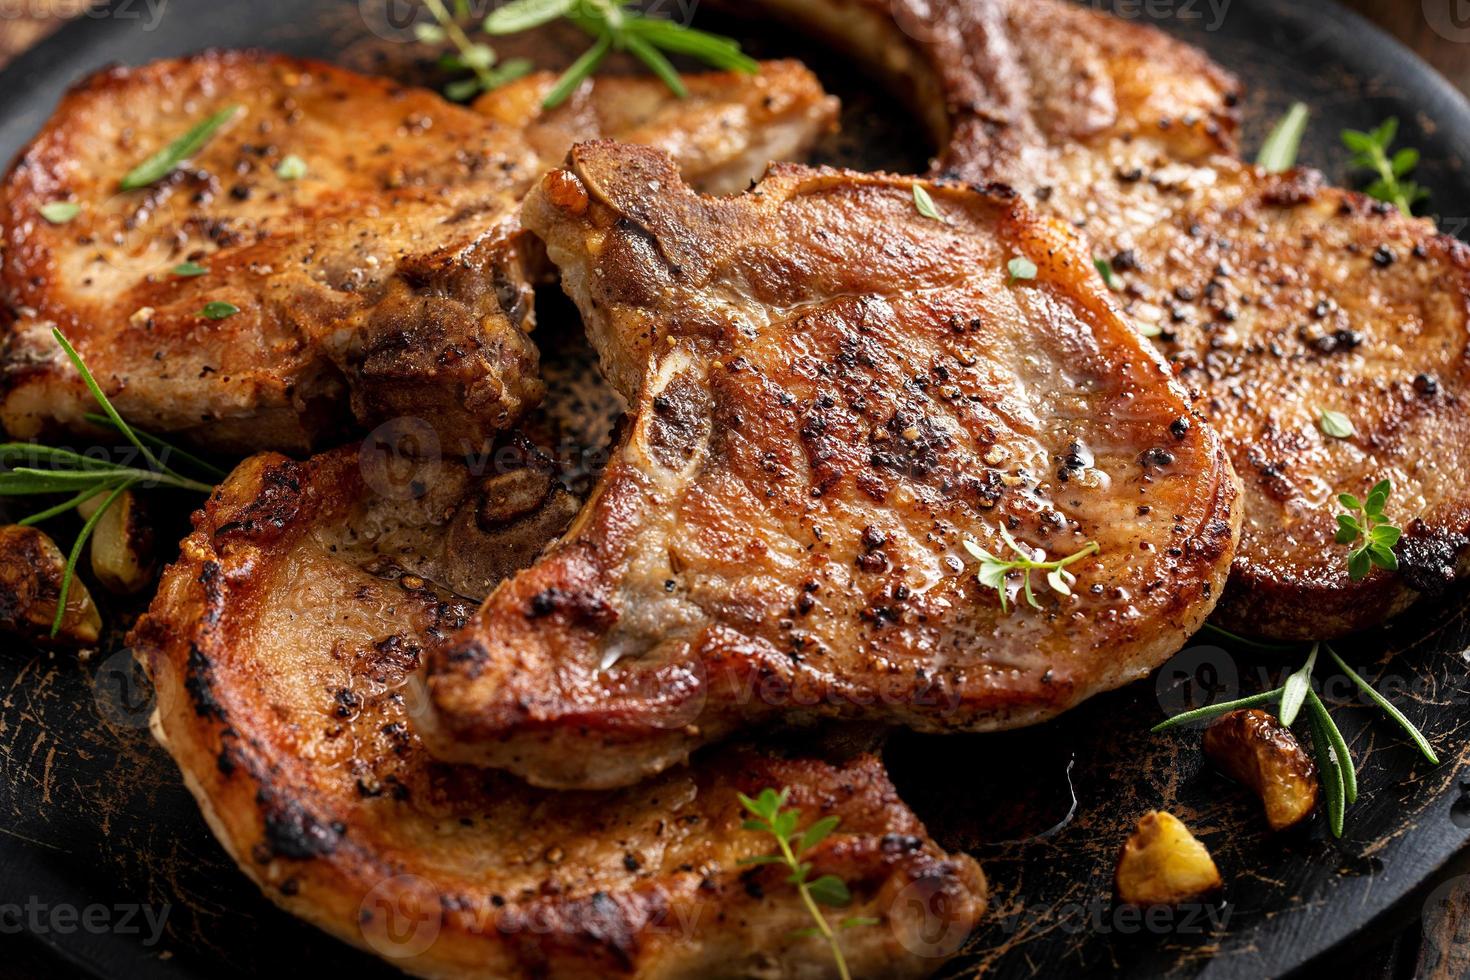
{"x": 92, "y": 813}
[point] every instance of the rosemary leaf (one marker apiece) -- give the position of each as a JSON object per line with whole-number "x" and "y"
{"x": 1339, "y": 746}
{"x": 208, "y": 469}
{"x": 70, "y": 574}
{"x": 719, "y": 52}
{"x": 581, "y": 69}
{"x": 1414, "y": 734}
{"x": 1294, "y": 692}
{"x": 162, "y": 163}
{"x": 13, "y": 452}
{"x": 1279, "y": 151}
{"x": 1331, "y": 775}
{"x": 1214, "y": 710}
{"x": 657, "y": 63}
{"x": 522, "y": 15}
{"x": 92, "y": 386}
{"x": 62, "y": 508}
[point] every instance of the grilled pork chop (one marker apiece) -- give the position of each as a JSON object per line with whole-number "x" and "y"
{"x": 831, "y": 394}
{"x": 1275, "y": 296}
{"x": 280, "y": 643}
{"x": 390, "y": 280}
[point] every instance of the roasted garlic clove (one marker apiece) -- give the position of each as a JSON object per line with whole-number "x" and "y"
{"x": 31, "y": 571}
{"x": 1254, "y": 748}
{"x": 1163, "y": 864}
{"x": 122, "y": 544}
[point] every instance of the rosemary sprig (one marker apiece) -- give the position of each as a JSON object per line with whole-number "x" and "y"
{"x": 616, "y": 28}
{"x": 1339, "y": 776}
{"x": 486, "y": 73}
{"x": 87, "y": 477}
{"x": 995, "y": 570}
{"x": 770, "y": 815}
{"x": 1365, "y": 522}
{"x": 1371, "y": 152}
{"x": 1279, "y": 151}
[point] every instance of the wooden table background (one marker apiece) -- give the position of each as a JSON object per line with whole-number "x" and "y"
{"x": 1439, "y": 32}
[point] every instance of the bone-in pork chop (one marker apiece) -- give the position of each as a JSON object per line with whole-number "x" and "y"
{"x": 832, "y": 394}
{"x": 280, "y": 644}
{"x": 1276, "y": 297}
{"x": 360, "y": 254}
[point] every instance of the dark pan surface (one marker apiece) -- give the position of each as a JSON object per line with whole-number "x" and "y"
{"x": 92, "y": 813}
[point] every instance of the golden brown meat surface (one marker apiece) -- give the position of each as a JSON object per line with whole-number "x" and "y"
{"x": 281, "y": 643}
{"x": 831, "y": 394}
{"x": 1276, "y": 297}
{"x": 389, "y": 280}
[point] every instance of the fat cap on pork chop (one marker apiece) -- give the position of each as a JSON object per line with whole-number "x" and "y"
{"x": 391, "y": 280}
{"x": 1275, "y": 296}
{"x": 831, "y": 393}
{"x": 279, "y": 644}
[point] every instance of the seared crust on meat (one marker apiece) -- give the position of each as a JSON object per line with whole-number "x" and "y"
{"x": 385, "y": 282}
{"x": 390, "y": 281}
{"x": 723, "y": 134}
{"x": 1275, "y": 297}
{"x": 282, "y": 643}
{"x": 831, "y": 394}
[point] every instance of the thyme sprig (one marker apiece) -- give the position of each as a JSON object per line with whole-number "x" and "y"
{"x": 1295, "y": 695}
{"x": 480, "y": 60}
{"x": 770, "y": 815}
{"x": 995, "y": 569}
{"x": 616, "y": 28}
{"x": 87, "y": 477}
{"x": 1365, "y": 522}
{"x": 1371, "y": 152}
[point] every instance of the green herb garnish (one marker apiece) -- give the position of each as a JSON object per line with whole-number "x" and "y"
{"x": 995, "y": 570}
{"x": 1365, "y": 522}
{"x": 60, "y": 212}
{"x": 486, "y": 71}
{"x": 924, "y": 204}
{"x": 86, "y": 477}
{"x": 1105, "y": 269}
{"x": 291, "y": 167}
{"x": 188, "y": 270}
{"x": 1279, "y": 151}
{"x": 1339, "y": 775}
{"x": 1335, "y": 424}
{"x": 770, "y": 815}
{"x": 1370, "y": 152}
{"x": 218, "y": 310}
{"x": 1020, "y": 268}
{"x": 615, "y": 27}
{"x": 162, "y": 163}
